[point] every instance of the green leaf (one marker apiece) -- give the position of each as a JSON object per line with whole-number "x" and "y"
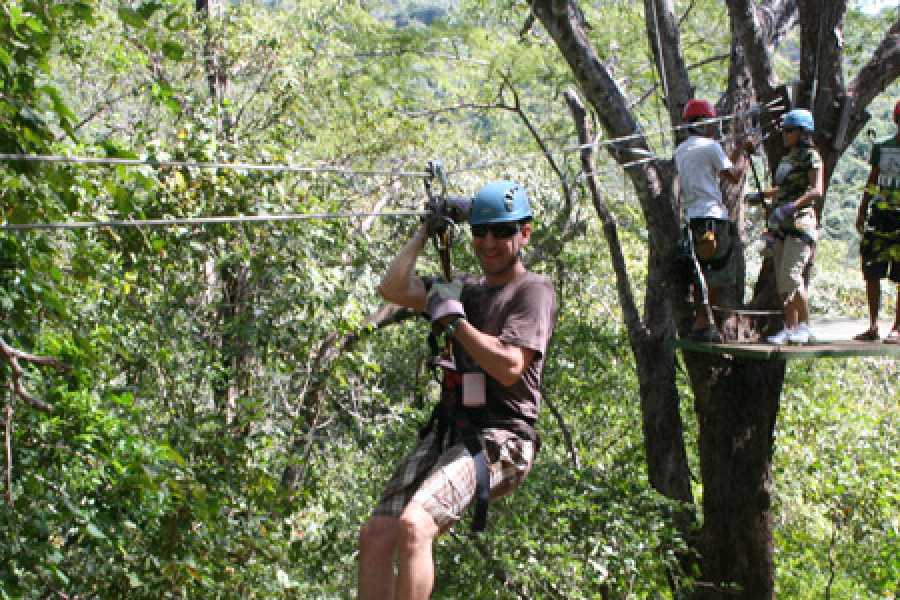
{"x": 166, "y": 452}
{"x": 173, "y": 50}
{"x": 83, "y": 11}
{"x": 35, "y": 25}
{"x": 172, "y": 104}
{"x": 94, "y": 531}
{"x": 176, "y": 22}
{"x": 148, "y": 8}
{"x": 131, "y": 17}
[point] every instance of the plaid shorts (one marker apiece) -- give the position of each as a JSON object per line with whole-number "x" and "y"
{"x": 444, "y": 483}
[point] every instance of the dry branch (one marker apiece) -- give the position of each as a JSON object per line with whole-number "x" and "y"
{"x": 13, "y": 356}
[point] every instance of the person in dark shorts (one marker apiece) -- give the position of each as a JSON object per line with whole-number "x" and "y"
{"x": 480, "y": 442}
{"x": 878, "y": 221}
{"x": 701, "y": 163}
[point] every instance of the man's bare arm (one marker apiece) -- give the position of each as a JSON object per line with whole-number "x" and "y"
{"x": 400, "y": 284}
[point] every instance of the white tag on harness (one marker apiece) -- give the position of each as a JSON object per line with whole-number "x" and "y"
{"x": 473, "y": 394}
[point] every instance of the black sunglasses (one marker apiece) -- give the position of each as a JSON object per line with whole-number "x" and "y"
{"x": 501, "y": 231}
{"x": 789, "y": 129}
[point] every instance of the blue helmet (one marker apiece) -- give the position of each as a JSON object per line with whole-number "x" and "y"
{"x": 799, "y": 117}
{"x": 500, "y": 202}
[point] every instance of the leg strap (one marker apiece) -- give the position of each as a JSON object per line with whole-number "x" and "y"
{"x": 482, "y": 480}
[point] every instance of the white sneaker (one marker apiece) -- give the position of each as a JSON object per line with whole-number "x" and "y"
{"x": 801, "y": 335}
{"x": 781, "y": 337}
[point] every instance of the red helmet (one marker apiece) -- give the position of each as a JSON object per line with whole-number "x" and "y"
{"x": 897, "y": 110}
{"x": 698, "y": 109}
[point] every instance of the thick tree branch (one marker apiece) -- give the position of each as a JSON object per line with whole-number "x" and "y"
{"x": 630, "y": 311}
{"x": 655, "y": 357}
{"x": 665, "y": 43}
{"x": 882, "y": 69}
{"x": 561, "y": 19}
{"x": 821, "y": 58}
{"x": 747, "y": 23}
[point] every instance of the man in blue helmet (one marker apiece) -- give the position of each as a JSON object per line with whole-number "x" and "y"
{"x": 480, "y": 442}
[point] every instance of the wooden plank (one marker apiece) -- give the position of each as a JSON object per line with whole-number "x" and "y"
{"x": 789, "y": 352}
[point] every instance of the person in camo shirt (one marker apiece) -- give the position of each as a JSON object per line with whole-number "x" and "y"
{"x": 793, "y": 221}
{"x": 880, "y": 245}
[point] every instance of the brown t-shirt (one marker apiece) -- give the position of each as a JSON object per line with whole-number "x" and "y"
{"x": 521, "y": 313}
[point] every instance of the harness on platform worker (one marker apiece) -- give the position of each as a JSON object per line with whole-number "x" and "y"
{"x": 465, "y": 409}
{"x": 782, "y": 223}
{"x": 700, "y": 247}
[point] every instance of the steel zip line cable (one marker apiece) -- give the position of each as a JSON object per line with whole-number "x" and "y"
{"x": 292, "y": 168}
{"x": 599, "y": 143}
{"x": 285, "y": 167}
{"x": 150, "y": 162}
{"x": 249, "y": 219}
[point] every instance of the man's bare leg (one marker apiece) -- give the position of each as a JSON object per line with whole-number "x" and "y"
{"x": 873, "y": 295}
{"x": 377, "y": 547}
{"x": 415, "y": 567}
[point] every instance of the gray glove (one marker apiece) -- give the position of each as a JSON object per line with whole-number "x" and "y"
{"x": 781, "y": 214}
{"x": 442, "y": 213}
{"x": 443, "y": 301}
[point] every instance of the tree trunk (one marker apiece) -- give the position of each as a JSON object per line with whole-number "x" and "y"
{"x": 737, "y": 403}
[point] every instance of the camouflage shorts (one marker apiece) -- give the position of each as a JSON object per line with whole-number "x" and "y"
{"x": 880, "y": 246}
{"x": 444, "y": 483}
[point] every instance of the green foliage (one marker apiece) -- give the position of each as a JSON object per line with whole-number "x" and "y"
{"x": 837, "y": 492}
{"x": 204, "y": 360}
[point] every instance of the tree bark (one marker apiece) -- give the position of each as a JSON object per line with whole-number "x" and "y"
{"x": 737, "y": 405}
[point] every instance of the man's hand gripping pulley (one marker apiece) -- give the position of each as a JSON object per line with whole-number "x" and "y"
{"x": 444, "y": 213}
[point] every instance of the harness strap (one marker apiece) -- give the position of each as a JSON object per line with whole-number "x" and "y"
{"x": 482, "y": 477}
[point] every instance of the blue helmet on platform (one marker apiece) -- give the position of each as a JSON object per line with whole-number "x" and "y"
{"x": 500, "y": 202}
{"x": 800, "y": 118}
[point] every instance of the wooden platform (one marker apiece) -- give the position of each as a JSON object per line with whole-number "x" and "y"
{"x": 833, "y": 340}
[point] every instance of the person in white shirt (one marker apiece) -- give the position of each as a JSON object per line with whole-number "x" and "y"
{"x": 702, "y": 164}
